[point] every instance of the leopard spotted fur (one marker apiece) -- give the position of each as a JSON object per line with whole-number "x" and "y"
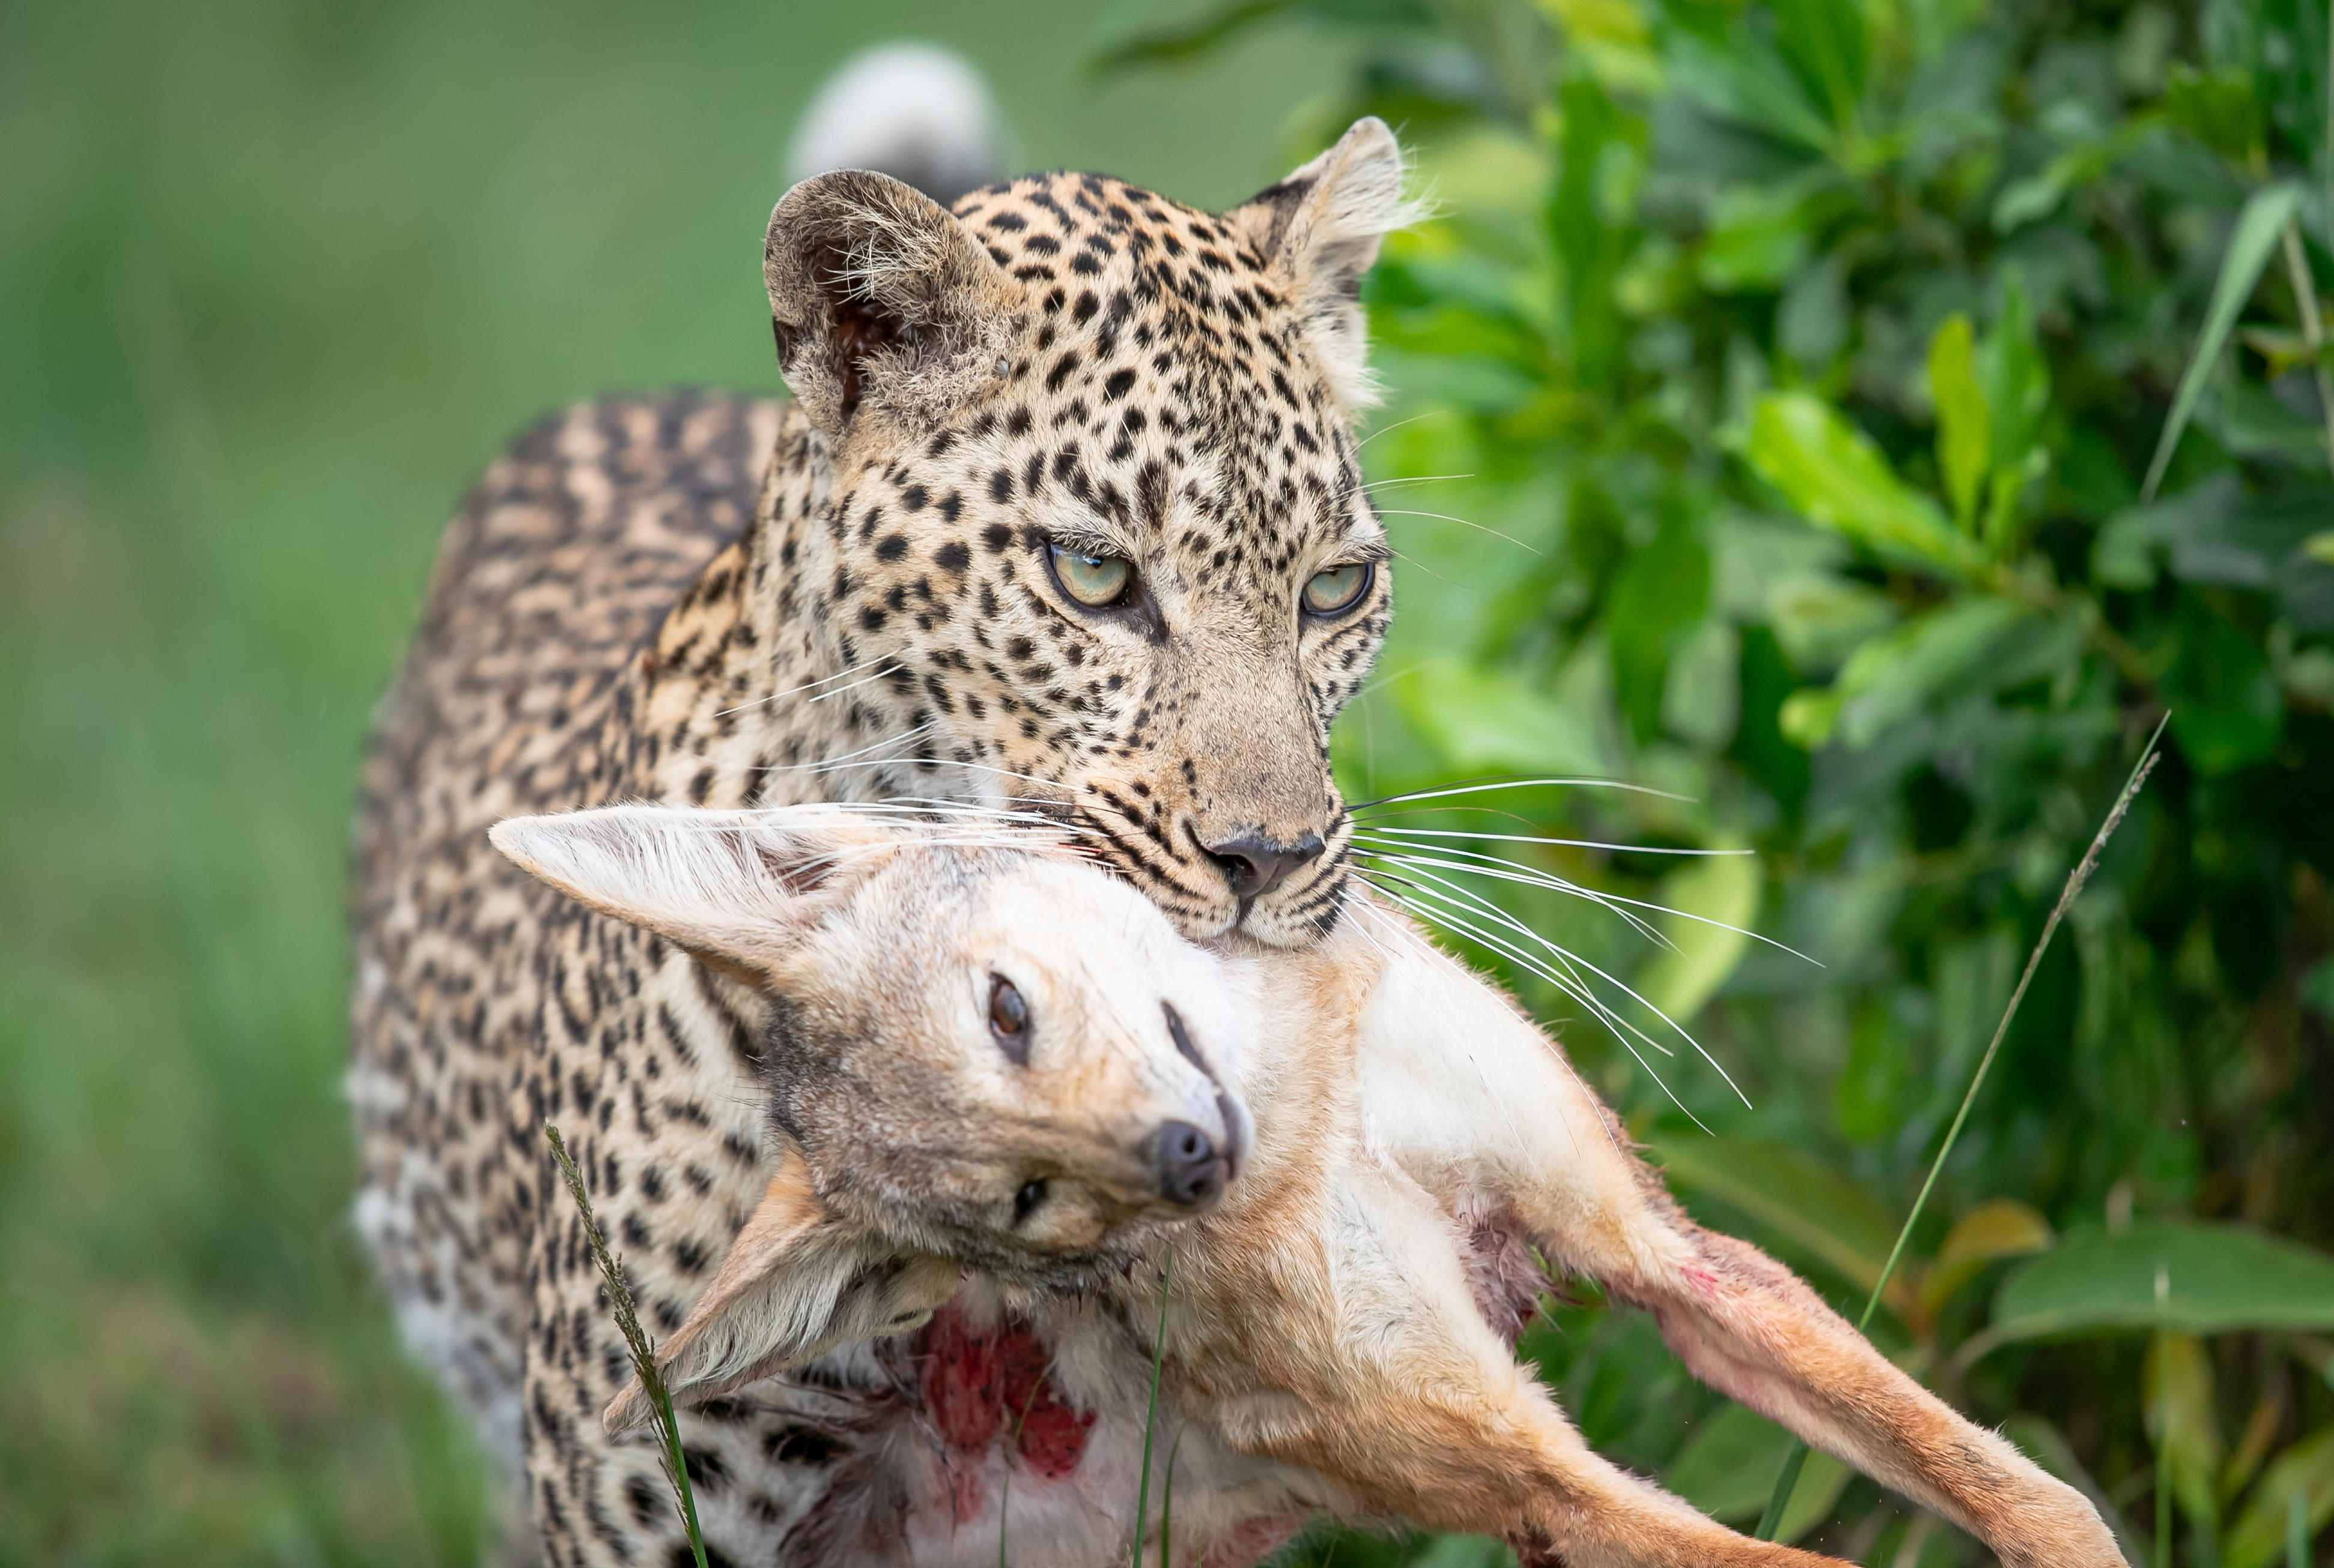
{"x": 716, "y": 601}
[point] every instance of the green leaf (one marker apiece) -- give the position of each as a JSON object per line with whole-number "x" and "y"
{"x": 1486, "y": 721}
{"x": 1890, "y": 679}
{"x": 1758, "y": 237}
{"x": 2256, "y": 235}
{"x": 2036, "y": 196}
{"x": 1592, "y": 238}
{"x": 2227, "y": 712}
{"x": 1964, "y": 440}
{"x": 1796, "y": 1195}
{"x": 2217, "y": 107}
{"x": 1828, "y": 49}
{"x": 2221, "y": 1279}
{"x": 1723, "y": 892}
{"x": 1728, "y": 1466}
{"x": 1658, "y": 596}
{"x": 1744, "y": 81}
{"x": 2017, "y": 392}
{"x": 2182, "y": 1423}
{"x": 2305, "y": 1470}
{"x": 1998, "y": 1228}
{"x": 1612, "y": 38}
{"x": 2316, "y": 988}
{"x": 1833, "y": 474}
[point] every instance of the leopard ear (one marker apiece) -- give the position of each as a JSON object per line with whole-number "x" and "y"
{"x": 797, "y": 1283}
{"x": 1319, "y": 229}
{"x": 736, "y": 887}
{"x": 879, "y": 298}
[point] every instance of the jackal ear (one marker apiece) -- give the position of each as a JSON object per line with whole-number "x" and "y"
{"x": 1319, "y": 229}
{"x": 878, "y": 295}
{"x": 732, "y": 886}
{"x": 797, "y": 1283}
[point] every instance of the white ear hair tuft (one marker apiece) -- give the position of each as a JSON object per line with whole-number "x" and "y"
{"x": 733, "y": 884}
{"x": 1321, "y": 227}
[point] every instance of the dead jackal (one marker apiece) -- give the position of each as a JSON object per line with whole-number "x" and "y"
{"x": 1001, "y": 1081}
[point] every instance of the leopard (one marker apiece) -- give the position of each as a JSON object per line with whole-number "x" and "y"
{"x": 1064, "y": 517}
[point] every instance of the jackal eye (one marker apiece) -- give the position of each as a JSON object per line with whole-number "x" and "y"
{"x": 1337, "y": 589}
{"x": 1096, "y": 582}
{"x": 1008, "y": 1020}
{"x": 1025, "y": 1201}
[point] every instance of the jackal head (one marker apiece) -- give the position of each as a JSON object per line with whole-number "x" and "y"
{"x": 982, "y": 1053}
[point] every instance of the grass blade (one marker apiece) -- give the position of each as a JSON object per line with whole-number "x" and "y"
{"x": 1787, "y": 1478}
{"x": 1167, "y": 1505}
{"x": 636, "y": 1343}
{"x": 2259, "y": 227}
{"x": 1150, "y": 1419}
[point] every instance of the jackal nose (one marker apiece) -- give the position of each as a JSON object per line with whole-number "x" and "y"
{"x": 1254, "y": 865}
{"x": 1190, "y": 1171}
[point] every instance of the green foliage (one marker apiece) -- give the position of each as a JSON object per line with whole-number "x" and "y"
{"x": 1868, "y": 418}
{"x": 2218, "y": 1279}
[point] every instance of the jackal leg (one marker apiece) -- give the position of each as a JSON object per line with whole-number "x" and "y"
{"x": 1480, "y": 1107}
{"x": 1388, "y": 1382}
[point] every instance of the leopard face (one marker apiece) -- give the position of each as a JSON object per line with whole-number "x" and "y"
{"x": 1097, "y": 542}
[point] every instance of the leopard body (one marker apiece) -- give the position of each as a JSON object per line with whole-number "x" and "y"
{"x": 714, "y": 601}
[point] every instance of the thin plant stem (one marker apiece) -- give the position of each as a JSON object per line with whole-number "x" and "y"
{"x": 1151, "y": 1419}
{"x": 2313, "y": 331}
{"x": 1005, "y": 1490}
{"x": 2163, "y": 1423}
{"x": 636, "y": 1342}
{"x": 1167, "y": 1505}
{"x": 1787, "y": 1478}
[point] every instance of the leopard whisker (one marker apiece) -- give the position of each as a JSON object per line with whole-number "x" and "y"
{"x": 1618, "y": 1027}
{"x": 859, "y": 758}
{"x": 1367, "y": 913}
{"x": 1558, "y": 884}
{"x": 869, "y": 680}
{"x": 1381, "y": 429}
{"x": 1493, "y": 911}
{"x": 1570, "y": 982}
{"x": 1509, "y": 871}
{"x": 1686, "y": 1035}
{"x": 1463, "y": 522}
{"x": 773, "y": 697}
{"x": 1561, "y": 843}
{"x": 1489, "y": 787}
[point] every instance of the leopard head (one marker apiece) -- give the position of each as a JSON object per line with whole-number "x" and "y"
{"x": 1097, "y": 538}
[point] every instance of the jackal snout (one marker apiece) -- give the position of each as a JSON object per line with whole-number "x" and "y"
{"x": 1192, "y": 1170}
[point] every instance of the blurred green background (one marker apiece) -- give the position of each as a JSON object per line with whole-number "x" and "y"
{"x": 1773, "y": 407}
{"x": 275, "y": 280}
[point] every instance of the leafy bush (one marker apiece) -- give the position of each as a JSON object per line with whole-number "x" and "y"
{"x": 1865, "y": 420}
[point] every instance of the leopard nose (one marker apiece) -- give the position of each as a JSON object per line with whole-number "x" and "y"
{"x": 1190, "y": 1172}
{"x": 1254, "y": 865}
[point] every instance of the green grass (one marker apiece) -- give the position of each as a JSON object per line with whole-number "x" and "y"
{"x": 275, "y": 279}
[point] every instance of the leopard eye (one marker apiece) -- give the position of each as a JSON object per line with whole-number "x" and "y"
{"x": 1094, "y": 581}
{"x": 1338, "y": 588}
{"x": 1008, "y": 1020}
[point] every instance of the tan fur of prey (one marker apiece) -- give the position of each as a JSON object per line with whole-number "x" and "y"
{"x": 1327, "y": 1343}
